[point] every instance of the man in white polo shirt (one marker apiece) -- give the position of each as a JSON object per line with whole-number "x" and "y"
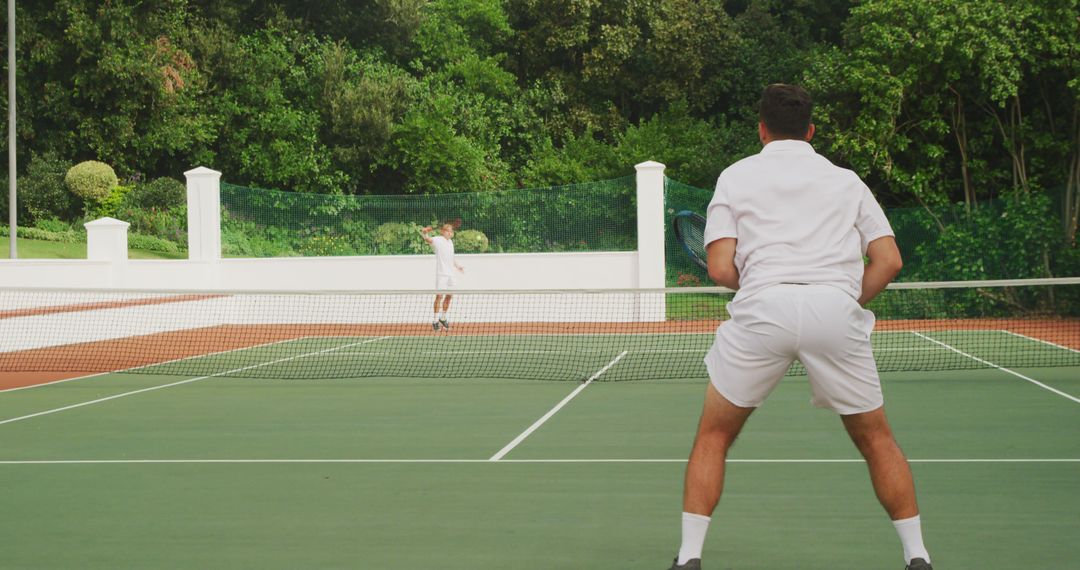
{"x": 445, "y": 265}
{"x": 788, "y": 230}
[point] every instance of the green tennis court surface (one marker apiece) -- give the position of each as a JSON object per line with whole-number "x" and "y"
{"x": 213, "y": 471}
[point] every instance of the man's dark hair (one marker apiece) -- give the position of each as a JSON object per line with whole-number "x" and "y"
{"x": 785, "y": 110}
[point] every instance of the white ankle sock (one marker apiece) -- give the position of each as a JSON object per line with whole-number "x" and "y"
{"x": 910, "y": 531}
{"x": 694, "y": 528}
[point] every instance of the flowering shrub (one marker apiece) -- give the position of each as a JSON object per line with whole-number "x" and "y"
{"x": 688, "y": 280}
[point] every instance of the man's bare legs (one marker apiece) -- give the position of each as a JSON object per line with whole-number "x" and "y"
{"x": 721, "y": 421}
{"x": 889, "y": 470}
{"x": 891, "y": 476}
{"x": 443, "y": 300}
{"x": 720, "y": 424}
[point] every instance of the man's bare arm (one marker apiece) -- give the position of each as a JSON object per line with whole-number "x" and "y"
{"x": 885, "y": 264}
{"x": 721, "y": 261}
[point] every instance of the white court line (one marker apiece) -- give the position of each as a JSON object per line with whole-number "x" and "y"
{"x": 498, "y": 352}
{"x": 447, "y": 338}
{"x": 171, "y": 384}
{"x": 488, "y": 461}
{"x": 1046, "y": 342}
{"x": 122, "y": 370}
{"x": 927, "y": 349}
{"x": 1001, "y": 368}
{"x": 536, "y": 425}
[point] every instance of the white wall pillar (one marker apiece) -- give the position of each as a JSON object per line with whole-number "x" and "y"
{"x": 650, "y": 237}
{"x": 650, "y": 224}
{"x": 106, "y": 240}
{"x": 204, "y": 214}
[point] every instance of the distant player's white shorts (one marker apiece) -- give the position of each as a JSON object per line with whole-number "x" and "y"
{"x": 822, "y": 326}
{"x": 444, "y": 282}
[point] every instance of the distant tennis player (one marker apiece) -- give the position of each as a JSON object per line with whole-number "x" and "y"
{"x": 788, "y": 229}
{"x": 445, "y": 265}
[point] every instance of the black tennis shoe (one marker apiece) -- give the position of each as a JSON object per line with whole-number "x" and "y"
{"x": 445, "y": 324}
{"x": 692, "y": 564}
{"x": 918, "y": 564}
{"x": 435, "y": 326}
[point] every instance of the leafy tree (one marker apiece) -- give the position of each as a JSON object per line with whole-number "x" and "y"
{"x": 360, "y": 103}
{"x": 451, "y": 30}
{"x": 922, "y": 81}
{"x": 693, "y": 150}
{"x": 580, "y": 158}
{"x": 384, "y": 26}
{"x": 948, "y": 101}
{"x": 432, "y": 156}
{"x": 42, "y": 191}
{"x": 111, "y": 81}
{"x": 262, "y": 95}
{"x": 635, "y": 56}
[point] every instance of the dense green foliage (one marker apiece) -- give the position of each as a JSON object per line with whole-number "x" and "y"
{"x": 42, "y": 191}
{"x": 969, "y": 102}
{"x": 595, "y": 216}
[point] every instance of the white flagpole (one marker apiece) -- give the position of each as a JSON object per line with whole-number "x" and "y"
{"x": 12, "y": 213}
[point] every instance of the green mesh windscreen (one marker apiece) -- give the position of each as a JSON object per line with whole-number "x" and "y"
{"x": 597, "y": 216}
{"x": 681, "y": 272}
{"x": 1011, "y": 237}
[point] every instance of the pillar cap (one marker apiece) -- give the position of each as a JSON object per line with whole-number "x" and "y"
{"x": 106, "y": 223}
{"x": 201, "y": 171}
{"x": 650, "y": 165}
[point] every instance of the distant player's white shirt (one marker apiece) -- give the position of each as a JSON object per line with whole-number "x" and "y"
{"x": 444, "y": 256}
{"x": 797, "y": 218}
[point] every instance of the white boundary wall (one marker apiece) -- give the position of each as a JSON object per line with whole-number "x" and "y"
{"x": 616, "y": 270}
{"x": 108, "y": 266}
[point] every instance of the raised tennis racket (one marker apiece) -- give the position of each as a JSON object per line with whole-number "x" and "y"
{"x": 690, "y": 231}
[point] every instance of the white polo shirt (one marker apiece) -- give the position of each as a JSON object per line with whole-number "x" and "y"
{"x": 444, "y": 256}
{"x": 797, "y": 218}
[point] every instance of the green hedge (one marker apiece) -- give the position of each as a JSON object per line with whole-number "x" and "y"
{"x": 135, "y": 241}
{"x": 151, "y": 243}
{"x": 70, "y": 236}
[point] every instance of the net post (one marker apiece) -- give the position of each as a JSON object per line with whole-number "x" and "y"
{"x": 650, "y": 237}
{"x": 204, "y": 214}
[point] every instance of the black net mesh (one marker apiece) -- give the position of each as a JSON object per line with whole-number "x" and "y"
{"x": 540, "y": 335}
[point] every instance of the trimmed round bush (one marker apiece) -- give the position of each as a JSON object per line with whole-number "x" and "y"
{"x": 470, "y": 241}
{"x": 91, "y": 180}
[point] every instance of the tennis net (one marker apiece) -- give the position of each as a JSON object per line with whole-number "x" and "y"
{"x": 606, "y": 335}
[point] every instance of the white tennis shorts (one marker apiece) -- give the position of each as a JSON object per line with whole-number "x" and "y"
{"x": 445, "y": 282}
{"x": 822, "y": 326}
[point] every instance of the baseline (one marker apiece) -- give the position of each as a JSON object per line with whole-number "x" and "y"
{"x": 466, "y": 461}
